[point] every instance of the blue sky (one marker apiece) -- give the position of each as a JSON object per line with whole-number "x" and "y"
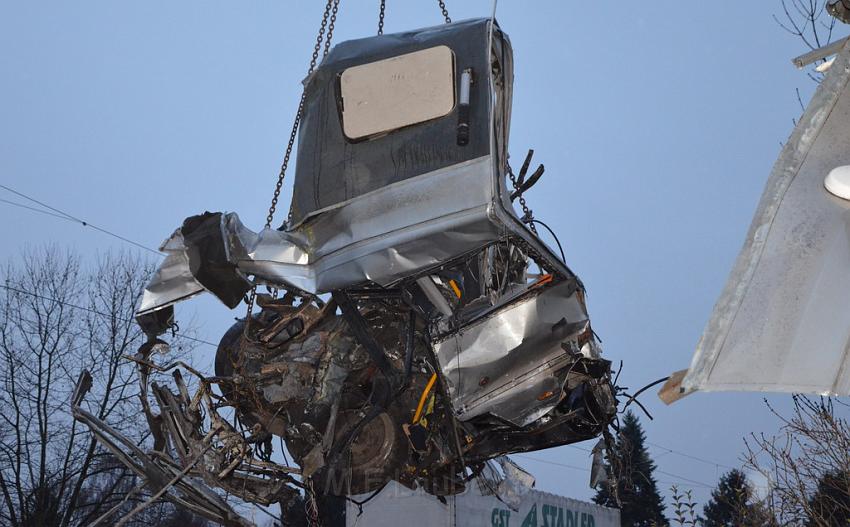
{"x": 658, "y": 125}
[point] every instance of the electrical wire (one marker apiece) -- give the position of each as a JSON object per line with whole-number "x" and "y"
{"x": 90, "y": 310}
{"x": 548, "y": 462}
{"x": 690, "y": 456}
{"x": 68, "y": 217}
{"x": 563, "y": 258}
{"x": 41, "y": 211}
{"x": 669, "y": 451}
{"x": 681, "y": 479}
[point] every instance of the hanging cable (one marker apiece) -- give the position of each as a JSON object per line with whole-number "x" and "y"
{"x": 633, "y": 398}
{"x": 555, "y": 236}
{"x": 90, "y": 310}
{"x": 65, "y": 216}
{"x": 381, "y": 17}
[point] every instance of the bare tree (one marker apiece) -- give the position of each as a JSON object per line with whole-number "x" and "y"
{"x": 57, "y": 318}
{"x": 807, "y": 463}
{"x": 809, "y": 21}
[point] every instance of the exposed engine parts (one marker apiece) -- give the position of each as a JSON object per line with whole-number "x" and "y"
{"x": 305, "y": 373}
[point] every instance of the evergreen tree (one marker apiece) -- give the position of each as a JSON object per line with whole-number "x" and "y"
{"x": 732, "y": 504}
{"x": 830, "y": 504}
{"x": 630, "y": 477}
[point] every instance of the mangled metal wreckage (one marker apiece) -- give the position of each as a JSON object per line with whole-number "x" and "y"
{"x": 415, "y": 326}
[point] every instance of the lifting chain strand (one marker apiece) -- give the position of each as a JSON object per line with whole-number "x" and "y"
{"x": 252, "y": 295}
{"x": 329, "y": 15}
{"x": 381, "y": 17}
{"x": 331, "y": 5}
{"x": 331, "y": 29}
{"x": 445, "y": 11}
{"x": 527, "y": 215}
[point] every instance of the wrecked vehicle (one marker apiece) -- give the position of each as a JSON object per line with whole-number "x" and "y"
{"x": 414, "y": 326}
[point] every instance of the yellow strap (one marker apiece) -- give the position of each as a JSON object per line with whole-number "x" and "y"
{"x": 423, "y": 397}
{"x": 455, "y": 288}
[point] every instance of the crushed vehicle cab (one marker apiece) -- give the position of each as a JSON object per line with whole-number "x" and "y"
{"x": 415, "y": 326}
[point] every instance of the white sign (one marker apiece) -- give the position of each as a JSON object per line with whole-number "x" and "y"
{"x": 397, "y": 506}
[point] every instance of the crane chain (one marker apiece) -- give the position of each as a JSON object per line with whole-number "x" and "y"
{"x": 445, "y": 11}
{"x": 328, "y": 21}
{"x": 331, "y": 24}
{"x": 381, "y": 17}
{"x": 327, "y": 25}
{"x": 527, "y": 215}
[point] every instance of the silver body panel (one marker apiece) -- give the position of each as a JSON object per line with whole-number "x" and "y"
{"x": 782, "y": 322}
{"x": 502, "y": 363}
{"x": 386, "y": 235}
{"x": 173, "y": 280}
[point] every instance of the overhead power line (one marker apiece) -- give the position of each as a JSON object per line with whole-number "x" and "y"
{"x": 548, "y": 462}
{"x": 690, "y": 456}
{"x": 671, "y": 451}
{"x": 53, "y": 211}
{"x": 90, "y": 310}
{"x": 681, "y": 479}
{"x": 42, "y": 211}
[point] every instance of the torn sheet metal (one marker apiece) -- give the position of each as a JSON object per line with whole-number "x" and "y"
{"x": 782, "y": 322}
{"x": 517, "y": 482}
{"x": 378, "y": 210}
{"x": 509, "y": 486}
{"x": 173, "y": 280}
{"x": 512, "y": 363}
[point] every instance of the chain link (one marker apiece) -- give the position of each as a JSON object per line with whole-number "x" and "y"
{"x": 327, "y": 25}
{"x": 445, "y": 11}
{"x": 381, "y": 17}
{"x": 331, "y": 5}
{"x": 527, "y": 214}
{"x": 334, "y": 11}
